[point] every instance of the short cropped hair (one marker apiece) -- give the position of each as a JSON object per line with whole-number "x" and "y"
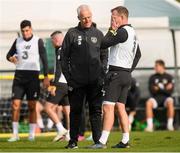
{"x": 121, "y": 10}
{"x": 81, "y": 7}
{"x": 25, "y": 23}
{"x": 56, "y": 32}
{"x": 160, "y": 62}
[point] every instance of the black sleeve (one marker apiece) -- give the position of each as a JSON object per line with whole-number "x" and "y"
{"x": 104, "y": 56}
{"x": 65, "y": 55}
{"x": 113, "y": 38}
{"x": 136, "y": 58}
{"x": 151, "y": 86}
{"x": 12, "y": 51}
{"x": 43, "y": 56}
{"x": 57, "y": 72}
{"x": 170, "y": 80}
{"x": 165, "y": 91}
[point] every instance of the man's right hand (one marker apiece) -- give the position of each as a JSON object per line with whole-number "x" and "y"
{"x": 169, "y": 86}
{"x": 113, "y": 24}
{"x": 13, "y": 59}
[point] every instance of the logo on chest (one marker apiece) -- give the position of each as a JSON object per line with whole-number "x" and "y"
{"x": 94, "y": 40}
{"x": 165, "y": 81}
{"x": 27, "y": 47}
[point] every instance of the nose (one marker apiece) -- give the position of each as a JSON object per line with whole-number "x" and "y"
{"x": 86, "y": 20}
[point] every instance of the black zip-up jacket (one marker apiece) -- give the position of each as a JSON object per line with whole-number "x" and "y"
{"x": 83, "y": 62}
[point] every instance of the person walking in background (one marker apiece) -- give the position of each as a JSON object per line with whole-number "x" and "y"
{"x": 132, "y": 100}
{"x": 58, "y": 91}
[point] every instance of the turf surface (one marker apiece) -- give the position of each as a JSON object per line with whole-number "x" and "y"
{"x": 160, "y": 141}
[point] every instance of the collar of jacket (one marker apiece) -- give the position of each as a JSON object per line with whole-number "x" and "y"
{"x": 84, "y": 29}
{"x": 57, "y": 47}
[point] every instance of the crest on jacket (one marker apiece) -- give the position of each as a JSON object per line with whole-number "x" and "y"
{"x": 94, "y": 40}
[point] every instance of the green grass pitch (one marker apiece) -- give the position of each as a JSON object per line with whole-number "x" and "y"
{"x": 159, "y": 141}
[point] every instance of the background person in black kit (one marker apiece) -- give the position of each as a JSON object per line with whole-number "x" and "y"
{"x": 132, "y": 100}
{"x": 25, "y": 54}
{"x": 161, "y": 85}
{"x": 83, "y": 64}
{"x": 58, "y": 91}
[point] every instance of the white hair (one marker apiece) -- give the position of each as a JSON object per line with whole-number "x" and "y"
{"x": 82, "y": 7}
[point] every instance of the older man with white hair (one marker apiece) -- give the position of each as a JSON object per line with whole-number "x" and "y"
{"x": 84, "y": 64}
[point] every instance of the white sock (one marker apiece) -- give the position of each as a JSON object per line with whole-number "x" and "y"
{"x": 150, "y": 122}
{"x": 131, "y": 119}
{"x": 60, "y": 127}
{"x": 67, "y": 136}
{"x": 32, "y": 129}
{"x": 125, "y": 138}
{"x": 170, "y": 122}
{"x": 50, "y": 123}
{"x": 40, "y": 123}
{"x": 15, "y": 126}
{"x": 104, "y": 137}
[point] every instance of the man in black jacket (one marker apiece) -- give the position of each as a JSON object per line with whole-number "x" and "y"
{"x": 83, "y": 64}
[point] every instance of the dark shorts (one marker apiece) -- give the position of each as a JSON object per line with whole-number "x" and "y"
{"x": 26, "y": 83}
{"x": 61, "y": 97}
{"x": 116, "y": 87}
{"x": 160, "y": 101}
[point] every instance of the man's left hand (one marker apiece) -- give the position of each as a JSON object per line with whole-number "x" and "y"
{"x": 169, "y": 86}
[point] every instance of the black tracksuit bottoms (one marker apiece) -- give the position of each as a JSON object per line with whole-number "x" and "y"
{"x": 93, "y": 95}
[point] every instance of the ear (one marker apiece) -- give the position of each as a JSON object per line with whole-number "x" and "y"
{"x": 31, "y": 29}
{"x": 78, "y": 17}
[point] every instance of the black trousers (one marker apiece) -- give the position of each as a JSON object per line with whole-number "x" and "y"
{"x": 93, "y": 95}
{"x": 82, "y": 126}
